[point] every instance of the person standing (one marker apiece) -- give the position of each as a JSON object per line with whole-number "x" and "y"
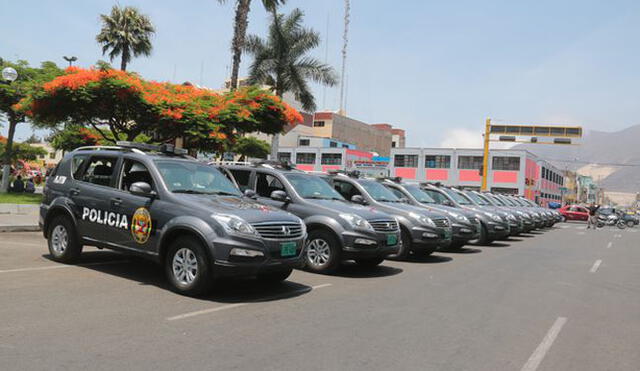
{"x": 593, "y": 219}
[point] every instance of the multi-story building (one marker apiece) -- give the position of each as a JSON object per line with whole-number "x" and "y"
{"x": 510, "y": 171}
{"x": 325, "y": 159}
{"x": 397, "y": 135}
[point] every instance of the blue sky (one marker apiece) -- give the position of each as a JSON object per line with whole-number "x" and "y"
{"x": 434, "y": 68}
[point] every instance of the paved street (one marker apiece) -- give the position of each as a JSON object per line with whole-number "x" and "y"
{"x": 564, "y": 299}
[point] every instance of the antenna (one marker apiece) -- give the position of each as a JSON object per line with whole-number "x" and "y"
{"x": 347, "y": 9}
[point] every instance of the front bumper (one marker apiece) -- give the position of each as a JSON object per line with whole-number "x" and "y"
{"x": 376, "y": 247}
{"x": 227, "y": 265}
{"x": 427, "y": 238}
{"x": 498, "y": 230}
{"x": 465, "y": 232}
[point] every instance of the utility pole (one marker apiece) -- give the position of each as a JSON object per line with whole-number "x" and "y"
{"x": 347, "y": 8}
{"x": 485, "y": 159}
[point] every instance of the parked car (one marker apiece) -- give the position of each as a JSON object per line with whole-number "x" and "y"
{"x": 338, "y": 229}
{"x": 158, "y": 203}
{"x": 574, "y": 212}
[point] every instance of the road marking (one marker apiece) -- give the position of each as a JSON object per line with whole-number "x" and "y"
{"x": 49, "y": 267}
{"x": 596, "y": 265}
{"x": 542, "y": 349}
{"x": 609, "y": 245}
{"x": 230, "y": 306}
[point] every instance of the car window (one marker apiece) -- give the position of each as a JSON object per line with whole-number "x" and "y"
{"x": 457, "y": 197}
{"x": 347, "y": 190}
{"x": 195, "y": 178}
{"x": 437, "y": 196}
{"x": 397, "y": 193}
{"x": 242, "y": 177}
{"x": 76, "y": 166}
{"x": 99, "y": 170}
{"x": 419, "y": 194}
{"x": 266, "y": 184}
{"x": 132, "y": 172}
{"x": 311, "y": 186}
{"x": 378, "y": 192}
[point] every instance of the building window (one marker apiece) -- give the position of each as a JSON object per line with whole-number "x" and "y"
{"x": 318, "y": 124}
{"x": 345, "y": 146}
{"x": 306, "y": 158}
{"x": 333, "y": 144}
{"x": 506, "y": 163}
{"x": 505, "y": 191}
{"x": 405, "y": 161}
{"x": 304, "y": 142}
{"x": 331, "y": 159}
{"x": 437, "y": 161}
{"x": 52, "y": 155}
{"x": 284, "y": 156}
{"x": 470, "y": 162}
{"x": 393, "y": 144}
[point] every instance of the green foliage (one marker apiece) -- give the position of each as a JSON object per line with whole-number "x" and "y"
{"x": 33, "y": 139}
{"x": 20, "y": 198}
{"x": 72, "y": 136}
{"x": 126, "y": 33}
{"x": 281, "y": 60}
{"x": 251, "y": 147}
{"x": 22, "y": 151}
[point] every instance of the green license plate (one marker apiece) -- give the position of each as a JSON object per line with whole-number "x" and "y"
{"x": 288, "y": 249}
{"x": 392, "y": 239}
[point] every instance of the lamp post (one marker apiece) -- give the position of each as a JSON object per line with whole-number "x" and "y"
{"x": 9, "y": 75}
{"x": 70, "y": 60}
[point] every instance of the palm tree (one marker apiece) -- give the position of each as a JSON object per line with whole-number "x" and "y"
{"x": 125, "y": 32}
{"x": 240, "y": 31}
{"x": 281, "y": 62}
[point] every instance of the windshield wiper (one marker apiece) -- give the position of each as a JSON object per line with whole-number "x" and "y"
{"x": 223, "y": 193}
{"x": 190, "y": 192}
{"x": 323, "y": 198}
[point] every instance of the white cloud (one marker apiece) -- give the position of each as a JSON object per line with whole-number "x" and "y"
{"x": 467, "y": 138}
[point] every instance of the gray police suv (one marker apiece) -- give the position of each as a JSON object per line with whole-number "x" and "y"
{"x": 422, "y": 231}
{"x": 156, "y": 202}
{"x": 338, "y": 229}
{"x": 465, "y": 225}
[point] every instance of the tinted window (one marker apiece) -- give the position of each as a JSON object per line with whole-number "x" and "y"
{"x": 437, "y": 161}
{"x": 437, "y": 196}
{"x": 419, "y": 194}
{"x": 377, "y": 191}
{"x": 242, "y": 178}
{"x": 457, "y": 197}
{"x": 132, "y": 172}
{"x": 99, "y": 170}
{"x": 77, "y": 163}
{"x": 305, "y": 158}
{"x": 347, "y": 190}
{"x": 477, "y": 199}
{"x": 266, "y": 184}
{"x": 331, "y": 159}
{"x": 192, "y": 177}
{"x": 405, "y": 161}
{"x": 470, "y": 162}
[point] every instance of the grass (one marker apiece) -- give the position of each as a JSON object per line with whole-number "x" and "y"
{"x": 20, "y": 198}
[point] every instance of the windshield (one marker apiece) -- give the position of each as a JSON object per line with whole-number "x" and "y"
{"x": 195, "y": 178}
{"x": 310, "y": 186}
{"x": 495, "y": 199}
{"x": 378, "y": 192}
{"x": 477, "y": 199}
{"x": 459, "y": 198}
{"x": 437, "y": 196}
{"x": 420, "y": 195}
{"x": 507, "y": 201}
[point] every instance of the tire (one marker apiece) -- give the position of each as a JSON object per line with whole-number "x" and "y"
{"x": 275, "y": 277}
{"x": 563, "y": 219}
{"x": 631, "y": 223}
{"x": 621, "y": 224}
{"x": 323, "y": 252}
{"x": 405, "y": 246}
{"x": 62, "y": 240}
{"x": 187, "y": 267}
{"x": 369, "y": 262}
{"x": 483, "y": 239}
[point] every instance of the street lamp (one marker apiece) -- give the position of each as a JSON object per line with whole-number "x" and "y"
{"x": 70, "y": 60}
{"x": 9, "y": 74}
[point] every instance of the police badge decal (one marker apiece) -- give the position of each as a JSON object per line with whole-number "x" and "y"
{"x": 141, "y": 225}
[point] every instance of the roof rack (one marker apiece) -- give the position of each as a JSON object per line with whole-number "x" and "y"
{"x": 351, "y": 174}
{"x": 394, "y": 179}
{"x": 272, "y": 164}
{"x": 162, "y": 148}
{"x": 107, "y": 148}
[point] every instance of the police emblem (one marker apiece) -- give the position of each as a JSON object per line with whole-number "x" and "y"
{"x": 141, "y": 225}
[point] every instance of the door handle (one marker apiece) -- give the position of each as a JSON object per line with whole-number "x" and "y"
{"x": 74, "y": 191}
{"x": 116, "y": 201}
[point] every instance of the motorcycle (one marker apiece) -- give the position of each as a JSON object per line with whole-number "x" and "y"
{"x": 612, "y": 219}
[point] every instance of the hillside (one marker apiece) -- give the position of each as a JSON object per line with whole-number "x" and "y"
{"x": 617, "y": 152}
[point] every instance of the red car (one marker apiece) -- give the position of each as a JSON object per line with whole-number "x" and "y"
{"x": 574, "y": 212}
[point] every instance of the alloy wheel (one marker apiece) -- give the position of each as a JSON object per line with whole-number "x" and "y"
{"x": 185, "y": 266}
{"x": 318, "y": 252}
{"x": 59, "y": 239}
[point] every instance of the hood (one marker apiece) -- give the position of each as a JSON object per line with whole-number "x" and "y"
{"x": 346, "y": 207}
{"x": 404, "y": 209}
{"x": 245, "y": 208}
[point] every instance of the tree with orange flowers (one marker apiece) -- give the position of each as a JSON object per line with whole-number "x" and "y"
{"x": 119, "y": 104}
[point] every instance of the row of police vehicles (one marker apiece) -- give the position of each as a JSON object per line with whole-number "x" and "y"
{"x": 204, "y": 221}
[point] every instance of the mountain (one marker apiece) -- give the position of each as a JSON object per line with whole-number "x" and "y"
{"x": 613, "y": 158}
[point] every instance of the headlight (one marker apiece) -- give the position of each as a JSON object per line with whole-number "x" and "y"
{"x": 356, "y": 221}
{"x": 234, "y": 224}
{"x": 496, "y": 218}
{"x": 511, "y": 217}
{"x": 459, "y": 217}
{"x": 422, "y": 219}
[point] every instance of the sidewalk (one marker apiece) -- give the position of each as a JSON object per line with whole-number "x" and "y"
{"x": 18, "y": 218}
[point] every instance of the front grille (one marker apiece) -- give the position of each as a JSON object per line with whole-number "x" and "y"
{"x": 473, "y": 220}
{"x": 442, "y": 223}
{"x": 384, "y": 225}
{"x": 279, "y": 230}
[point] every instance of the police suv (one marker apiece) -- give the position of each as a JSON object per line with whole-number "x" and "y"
{"x": 338, "y": 229}
{"x": 156, "y": 202}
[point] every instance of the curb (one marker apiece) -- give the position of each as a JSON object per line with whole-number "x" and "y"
{"x": 19, "y": 228}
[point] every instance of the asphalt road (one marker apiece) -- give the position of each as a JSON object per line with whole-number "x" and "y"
{"x": 564, "y": 299}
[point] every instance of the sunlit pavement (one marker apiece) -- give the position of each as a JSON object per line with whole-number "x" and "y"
{"x": 563, "y": 299}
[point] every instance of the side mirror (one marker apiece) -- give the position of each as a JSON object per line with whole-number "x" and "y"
{"x": 250, "y": 193}
{"x": 447, "y": 203}
{"x": 404, "y": 200}
{"x": 141, "y": 189}
{"x": 280, "y": 196}
{"x": 357, "y": 199}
